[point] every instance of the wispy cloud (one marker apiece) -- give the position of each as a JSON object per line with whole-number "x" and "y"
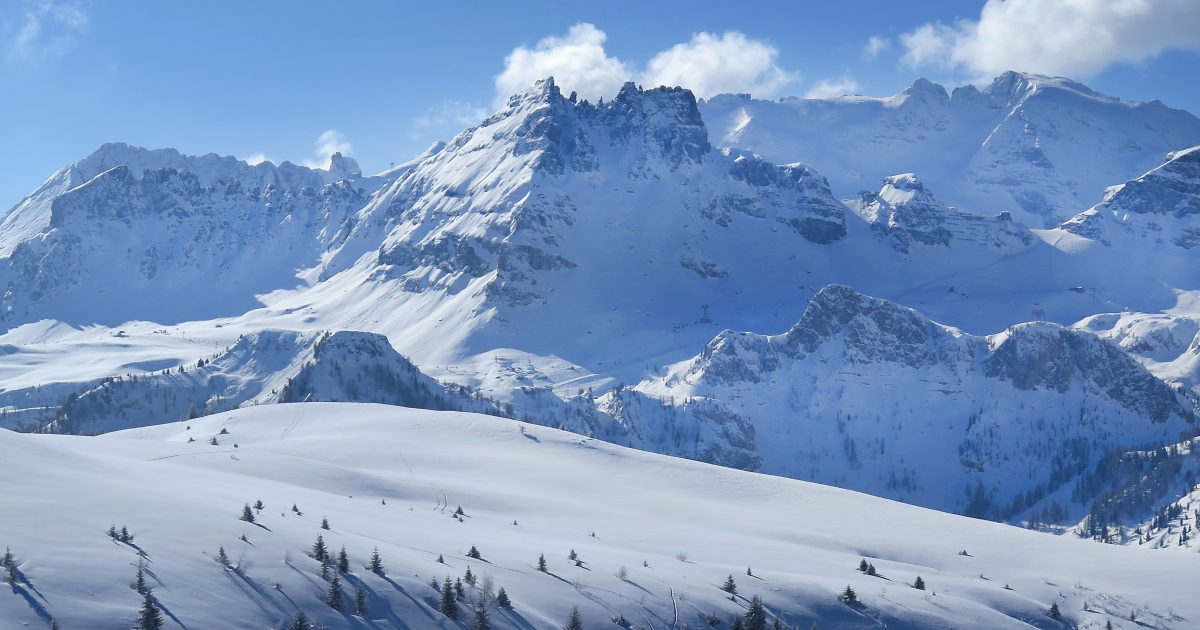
{"x": 876, "y": 46}
{"x": 46, "y": 30}
{"x": 829, "y": 88}
{"x": 258, "y": 157}
{"x": 330, "y": 142}
{"x": 454, "y": 114}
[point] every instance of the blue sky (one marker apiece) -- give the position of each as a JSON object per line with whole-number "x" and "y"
{"x": 383, "y": 80}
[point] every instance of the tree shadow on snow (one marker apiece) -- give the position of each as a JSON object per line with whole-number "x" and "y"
{"x": 37, "y": 606}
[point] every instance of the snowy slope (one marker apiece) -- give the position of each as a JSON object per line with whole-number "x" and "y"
{"x": 1043, "y": 148}
{"x": 391, "y": 478}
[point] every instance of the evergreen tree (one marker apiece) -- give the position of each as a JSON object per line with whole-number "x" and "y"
{"x": 919, "y": 584}
{"x": 126, "y": 537}
{"x": 749, "y": 572}
{"x": 777, "y": 624}
{"x": 297, "y": 511}
{"x": 459, "y": 593}
{"x": 360, "y": 602}
{"x": 139, "y": 581}
{"x": 1108, "y": 625}
{"x": 542, "y": 563}
{"x": 13, "y": 574}
{"x": 343, "y": 561}
{"x": 459, "y": 511}
{"x": 148, "y": 617}
{"x": 319, "y": 552}
{"x": 729, "y": 586}
{"x": 574, "y": 620}
{"x": 469, "y": 577}
{"x": 214, "y": 442}
{"x": 434, "y": 583}
{"x": 871, "y": 569}
{"x": 222, "y": 557}
{"x": 481, "y": 618}
{"x": 258, "y": 505}
{"x": 300, "y": 622}
{"x": 449, "y": 603}
{"x": 112, "y": 532}
{"x": 862, "y": 565}
{"x": 324, "y": 523}
{"x": 737, "y": 624}
{"x": 440, "y": 559}
{"x": 247, "y": 514}
{"x": 502, "y": 599}
{"x": 473, "y": 553}
{"x": 376, "y": 565}
{"x": 849, "y": 597}
{"x": 756, "y": 615}
{"x": 334, "y": 598}
{"x": 572, "y": 556}
{"x": 1054, "y": 613}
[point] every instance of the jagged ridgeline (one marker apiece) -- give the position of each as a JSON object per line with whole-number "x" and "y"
{"x": 595, "y": 266}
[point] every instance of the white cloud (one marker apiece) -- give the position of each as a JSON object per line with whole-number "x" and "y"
{"x": 829, "y": 88}
{"x": 710, "y": 64}
{"x": 256, "y": 158}
{"x": 577, "y": 61}
{"x": 453, "y": 114}
{"x": 875, "y": 46}
{"x": 328, "y": 143}
{"x": 707, "y": 64}
{"x": 47, "y": 29}
{"x": 1062, "y": 37}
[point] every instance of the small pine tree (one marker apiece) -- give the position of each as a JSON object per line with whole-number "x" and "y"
{"x": 148, "y": 617}
{"x": 1108, "y": 625}
{"x": 319, "y": 552}
{"x": 139, "y": 580}
{"x": 712, "y": 620}
{"x": 13, "y": 574}
{"x": 871, "y": 569}
{"x": 572, "y": 556}
{"x": 214, "y": 442}
{"x": 325, "y": 568}
{"x": 469, "y": 577}
{"x": 777, "y": 624}
{"x": 297, "y": 511}
{"x": 502, "y": 599}
{"x": 729, "y": 586}
{"x": 737, "y": 624}
{"x": 919, "y": 584}
{"x": 449, "y": 603}
{"x": 112, "y": 532}
{"x": 459, "y": 511}
{"x": 334, "y": 597}
{"x": 574, "y": 620}
{"x": 473, "y": 553}
{"x": 459, "y": 592}
{"x": 258, "y": 505}
{"x": 481, "y": 618}
{"x": 749, "y": 572}
{"x": 126, "y": 537}
{"x": 849, "y": 597}
{"x": 222, "y": 557}
{"x": 300, "y": 622}
{"x": 343, "y": 561}
{"x": 247, "y": 514}
{"x": 440, "y": 559}
{"x": 541, "y": 566}
{"x": 756, "y": 615}
{"x": 434, "y": 583}
{"x": 1054, "y": 613}
{"x": 862, "y": 565}
{"x": 376, "y": 564}
{"x": 324, "y": 523}
{"x": 360, "y": 602}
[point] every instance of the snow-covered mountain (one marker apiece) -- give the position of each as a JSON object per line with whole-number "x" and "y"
{"x": 1162, "y": 207}
{"x": 129, "y": 233}
{"x": 869, "y": 395}
{"x": 1042, "y": 148}
{"x": 563, "y": 263}
{"x": 654, "y": 538}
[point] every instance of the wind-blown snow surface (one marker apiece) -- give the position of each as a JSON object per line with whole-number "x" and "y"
{"x": 1043, "y": 148}
{"x": 181, "y": 500}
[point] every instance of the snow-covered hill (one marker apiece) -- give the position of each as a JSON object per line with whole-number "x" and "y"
{"x": 655, "y": 537}
{"x": 1043, "y": 148}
